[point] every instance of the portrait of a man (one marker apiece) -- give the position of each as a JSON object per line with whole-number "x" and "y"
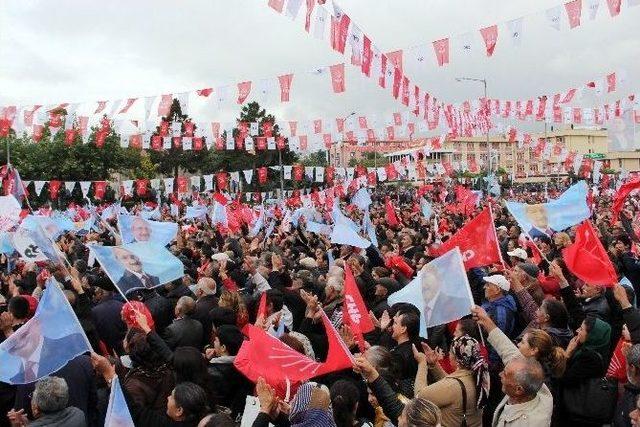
{"x": 140, "y": 230}
{"x": 39, "y": 354}
{"x": 134, "y": 275}
{"x": 538, "y": 216}
{"x": 436, "y": 302}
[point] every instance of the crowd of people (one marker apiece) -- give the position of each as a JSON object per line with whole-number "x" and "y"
{"x": 539, "y": 347}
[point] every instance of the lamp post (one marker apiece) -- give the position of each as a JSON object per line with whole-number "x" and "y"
{"x": 484, "y": 83}
{"x": 336, "y": 144}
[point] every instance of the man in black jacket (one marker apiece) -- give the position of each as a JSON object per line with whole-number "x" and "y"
{"x": 184, "y": 331}
{"x": 205, "y": 292}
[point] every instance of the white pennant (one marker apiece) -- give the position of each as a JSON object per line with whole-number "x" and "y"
{"x": 168, "y": 185}
{"x": 84, "y": 186}
{"x": 515, "y": 31}
{"x": 39, "y": 185}
{"x": 553, "y": 16}
{"x": 195, "y": 182}
{"x": 69, "y": 185}
{"x": 293, "y": 7}
{"x": 320, "y": 23}
{"x": 593, "y": 6}
{"x": 208, "y": 182}
{"x": 248, "y": 175}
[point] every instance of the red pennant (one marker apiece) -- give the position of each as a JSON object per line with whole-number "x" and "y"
{"x": 141, "y": 186}
{"x": 397, "y": 81}
{"x": 614, "y": 7}
{"x": 365, "y": 63}
{"x": 127, "y": 106}
{"x": 70, "y": 136}
{"x": 165, "y": 105}
{"x": 574, "y": 11}
{"x": 395, "y": 58}
{"x": 183, "y": 184}
{"x": 244, "y": 89}
{"x": 221, "y": 181}
{"x": 587, "y": 258}
{"x": 490, "y": 37}
{"x": 54, "y": 189}
{"x": 298, "y": 172}
{"x": 307, "y": 19}
{"x": 337, "y": 78}
{"x": 339, "y": 31}
{"x": 262, "y": 175}
{"x": 99, "y": 188}
{"x": 101, "y": 106}
{"x": 276, "y": 5}
{"x": 281, "y": 143}
{"x": 611, "y": 82}
{"x": 355, "y": 314}
{"x": 441, "y": 47}
{"x": 285, "y": 86}
{"x": 204, "y": 92}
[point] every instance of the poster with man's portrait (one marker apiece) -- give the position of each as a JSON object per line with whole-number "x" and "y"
{"x": 138, "y": 229}
{"x": 140, "y": 265}
{"x": 622, "y": 134}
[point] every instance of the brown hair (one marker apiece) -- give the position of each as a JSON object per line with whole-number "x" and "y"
{"x": 548, "y": 355}
{"x": 422, "y": 413}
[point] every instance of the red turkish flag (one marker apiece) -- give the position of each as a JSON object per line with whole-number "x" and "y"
{"x": 262, "y": 175}
{"x": 397, "y": 81}
{"x": 587, "y": 258}
{"x": 441, "y": 47}
{"x": 276, "y": 5}
{"x": 405, "y": 91}
{"x": 165, "y": 105}
{"x": 267, "y": 129}
{"x": 365, "y": 63}
{"x": 141, "y": 186}
{"x": 189, "y": 127}
{"x": 135, "y": 141}
{"x": 490, "y": 37}
{"x": 577, "y": 115}
{"x": 285, "y": 86}
{"x": 243, "y": 91}
{"x": 205, "y": 92}
{"x": 372, "y": 178}
{"x": 164, "y": 128}
{"x": 54, "y": 188}
{"x": 396, "y": 59}
{"x": 477, "y": 242}
{"x": 176, "y": 142}
{"x": 280, "y": 143}
{"x": 337, "y": 78}
{"x": 183, "y": 184}
{"x": 263, "y": 355}
{"x": 221, "y": 181}
{"x": 70, "y": 136}
{"x": 197, "y": 143}
{"x": 383, "y": 72}
{"x": 303, "y": 142}
{"x": 100, "y": 138}
{"x": 391, "y": 217}
{"x": 574, "y": 11}
{"x": 329, "y": 174}
{"x": 99, "y": 188}
{"x": 307, "y": 19}
{"x": 621, "y": 195}
{"x": 298, "y": 172}
{"x": 354, "y": 311}
{"x": 339, "y": 31}
{"x": 156, "y": 142}
{"x": 614, "y": 7}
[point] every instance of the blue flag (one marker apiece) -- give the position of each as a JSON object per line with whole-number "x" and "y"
{"x": 5, "y": 243}
{"x": 50, "y": 339}
{"x": 34, "y": 245}
{"x": 440, "y": 291}
{"x": 118, "y": 414}
{"x": 138, "y": 229}
{"x": 362, "y": 199}
{"x": 195, "y": 212}
{"x": 545, "y": 218}
{"x": 339, "y": 217}
{"x": 425, "y": 207}
{"x": 138, "y": 265}
{"x": 370, "y": 229}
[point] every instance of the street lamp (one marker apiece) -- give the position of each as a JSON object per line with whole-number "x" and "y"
{"x": 336, "y": 144}
{"x": 484, "y": 83}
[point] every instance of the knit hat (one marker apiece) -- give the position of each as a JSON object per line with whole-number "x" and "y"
{"x": 531, "y": 269}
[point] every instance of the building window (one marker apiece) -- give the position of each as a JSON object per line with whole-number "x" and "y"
{"x": 520, "y": 157}
{"x": 353, "y": 154}
{"x": 619, "y": 163}
{"x": 534, "y": 168}
{"x": 457, "y": 146}
{"x": 520, "y": 168}
{"x": 471, "y": 157}
{"x": 457, "y": 157}
{"x": 483, "y": 145}
{"x": 483, "y": 157}
{"x": 495, "y": 145}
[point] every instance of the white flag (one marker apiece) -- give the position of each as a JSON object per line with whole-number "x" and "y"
{"x": 320, "y": 23}
{"x": 553, "y": 15}
{"x": 515, "y": 30}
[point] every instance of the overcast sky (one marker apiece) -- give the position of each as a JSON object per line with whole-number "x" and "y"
{"x": 71, "y": 51}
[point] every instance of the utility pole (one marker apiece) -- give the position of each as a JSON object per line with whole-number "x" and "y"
{"x": 484, "y": 83}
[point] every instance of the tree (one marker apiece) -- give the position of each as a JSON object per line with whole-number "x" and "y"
{"x": 238, "y": 160}
{"x": 317, "y": 158}
{"x": 171, "y": 161}
{"x": 369, "y": 160}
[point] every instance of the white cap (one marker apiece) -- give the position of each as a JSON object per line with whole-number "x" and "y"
{"x": 519, "y": 253}
{"x": 222, "y": 256}
{"x": 503, "y": 228}
{"x": 498, "y": 280}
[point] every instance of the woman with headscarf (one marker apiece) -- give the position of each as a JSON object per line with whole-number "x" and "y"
{"x": 462, "y": 394}
{"x": 587, "y": 358}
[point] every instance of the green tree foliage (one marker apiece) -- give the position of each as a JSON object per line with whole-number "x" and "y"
{"x": 369, "y": 160}
{"x": 175, "y": 159}
{"x": 317, "y": 158}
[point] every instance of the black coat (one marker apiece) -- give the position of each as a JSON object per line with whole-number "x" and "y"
{"x": 201, "y": 313}
{"x": 631, "y": 269}
{"x": 185, "y": 332}
{"x": 231, "y": 386}
{"x": 108, "y": 321}
{"x": 626, "y": 404}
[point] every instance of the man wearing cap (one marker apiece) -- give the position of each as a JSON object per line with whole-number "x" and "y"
{"x": 528, "y": 274}
{"x": 499, "y": 304}
{"x": 517, "y": 256}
